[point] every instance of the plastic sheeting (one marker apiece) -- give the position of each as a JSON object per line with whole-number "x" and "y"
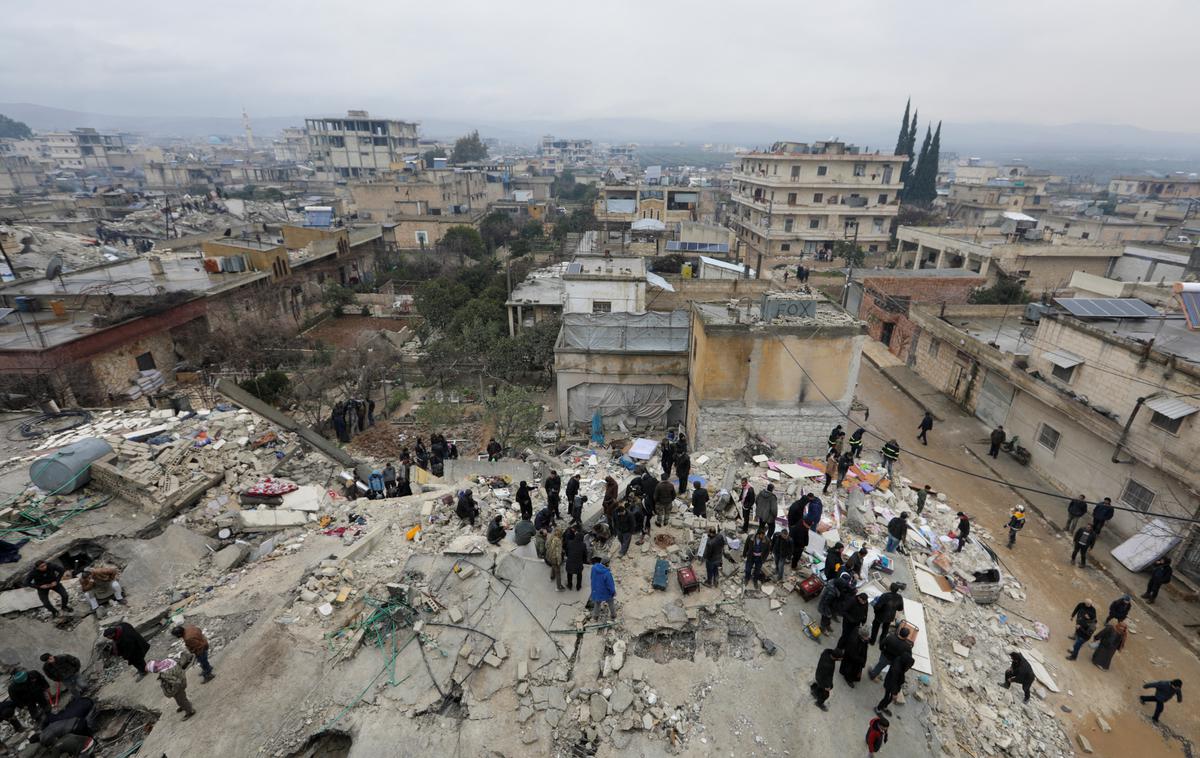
{"x": 632, "y": 332}
{"x": 628, "y": 403}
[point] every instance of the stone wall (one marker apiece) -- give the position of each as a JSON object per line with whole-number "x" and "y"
{"x": 797, "y": 431}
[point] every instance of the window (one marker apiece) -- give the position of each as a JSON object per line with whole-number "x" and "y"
{"x": 1137, "y": 495}
{"x": 1166, "y": 423}
{"x": 422, "y": 238}
{"x": 1063, "y": 374}
{"x": 1048, "y": 437}
{"x": 601, "y": 306}
{"x": 791, "y": 198}
{"x": 860, "y": 169}
{"x": 795, "y": 172}
{"x": 883, "y": 199}
{"x": 814, "y": 223}
{"x": 822, "y": 170}
{"x": 872, "y": 248}
{"x": 1085, "y": 235}
{"x": 818, "y": 197}
{"x": 145, "y": 362}
{"x": 933, "y": 347}
{"x": 785, "y": 247}
{"x": 787, "y": 224}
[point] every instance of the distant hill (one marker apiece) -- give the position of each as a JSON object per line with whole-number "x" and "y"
{"x": 994, "y": 140}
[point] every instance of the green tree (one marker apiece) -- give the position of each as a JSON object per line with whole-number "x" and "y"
{"x": 435, "y": 415}
{"x": 519, "y": 247}
{"x": 429, "y": 155}
{"x": 849, "y": 252}
{"x": 496, "y": 229}
{"x": 578, "y": 221}
{"x": 438, "y": 299}
{"x": 910, "y": 147}
{"x": 902, "y": 139}
{"x": 531, "y": 230}
{"x": 13, "y": 129}
{"x": 1007, "y": 290}
{"x": 514, "y": 415}
{"x": 469, "y": 148}
{"x": 336, "y": 297}
{"x": 924, "y": 180}
{"x": 268, "y": 387}
{"x": 465, "y": 241}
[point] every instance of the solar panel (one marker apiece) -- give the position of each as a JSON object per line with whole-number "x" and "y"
{"x": 1191, "y": 307}
{"x": 1109, "y": 307}
{"x": 698, "y": 247}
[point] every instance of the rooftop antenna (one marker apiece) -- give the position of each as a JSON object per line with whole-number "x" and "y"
{"x": 246, "y": 126}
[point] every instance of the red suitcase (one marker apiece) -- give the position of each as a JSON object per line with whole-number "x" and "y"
{"x": 811, "y": 587}
{"x": 687, "y": 580}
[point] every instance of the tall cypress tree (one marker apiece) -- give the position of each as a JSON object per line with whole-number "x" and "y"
{"x": 924, "y": 179}
{"x": 910, "y": 142}
{"x": 929, "y": 178}
{"x": 902, "y": 140}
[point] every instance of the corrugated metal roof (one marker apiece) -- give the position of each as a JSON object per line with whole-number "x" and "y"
{"x": 1171, "y": 407}
{"x": 1063, "y": 359}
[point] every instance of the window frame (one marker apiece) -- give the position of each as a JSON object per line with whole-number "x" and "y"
{"x": 1066, "y": 375}
{"x": 602, "y": 306}
{"x": 1166, "y": 424}
{"x": 1042, "y": 428}
{"x": 1136, "y": 505}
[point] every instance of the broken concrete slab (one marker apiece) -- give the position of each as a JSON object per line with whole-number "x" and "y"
{"x": 307, "y": 498}
{"x": 599, "y": 707}
{"x": 16, "y": 601}
{"x": 621, "y": 699}
{"x": 270, "y": 520}
{"x": 230, "y": 557}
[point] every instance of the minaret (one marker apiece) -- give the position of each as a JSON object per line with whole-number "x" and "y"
{"x": 246, "y": 126}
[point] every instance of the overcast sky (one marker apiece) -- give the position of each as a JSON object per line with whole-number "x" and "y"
{"x": 1045, "y": 62}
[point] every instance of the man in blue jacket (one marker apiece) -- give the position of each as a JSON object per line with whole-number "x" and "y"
{"x": 604, "y": 590}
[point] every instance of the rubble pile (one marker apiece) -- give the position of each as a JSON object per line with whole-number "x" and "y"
{"x": 34, "y": 246}
{"x": 197, "y": 215}
{"x": 329, "y": 584}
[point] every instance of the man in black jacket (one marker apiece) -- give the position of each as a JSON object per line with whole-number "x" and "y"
{"x": 964, "y": 530}
{"x": 1076, "y": 509}
{"x": 496, "y": 532}
{"x": 897, "y": 530}
{"x": 683, "y": 467}
{"x": 667, "y": 450}
{"x": 1084, "y": 617}
{"x": 797, "y": 530}
{"x": 893, "y": 682}
{"x": 887, "y": 606}
{"x": 781, "y": 550}
{"x": 574, "y": 556}
{"x": 1160, "y": 573}
{"x": 747, "y": 504}
{"x": 891, "y": 648}
{"x": 623, "y": 521}
{"x": 1119, "y": 609}
{"x": 997, "y": 439}
{"x": 854, "y": 615}
{"x": 714, "y": 553}
{"x": 27, "y": 689}
{"x": 64, "y": 669}
{"x": 822, "y": 683}
{"x": 46, "y": 577}
{"x": 494, "y": 450}
{"x": 1163, "y": 691}
{"x": 1020, "y": 672}
{"x": 649, "y": 483}
{"x": 699, "y": 500}
{"x": 129, "y": 645}
{"x": 572, "y": 488}
{"x": 1083, "y": 541}
{"x": 1102, "y": 514}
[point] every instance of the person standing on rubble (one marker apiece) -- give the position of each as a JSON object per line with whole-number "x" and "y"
{"x": 100, "y": 583}
{"x": 403, "y": 474}
{"x": 1084, "y": 617}
{"x": 755, "y": 552}
{"x": 494, "y": 450}
{"x": 1160, "y": 573}
{"x": 46, "y": 577}
{"x": 1076, "y": 509}
{"x": 172, "y": 679}
{"x": 887, "y": 605}
{"x": 554, "y": 556}
{"x": 830, "y": 600}
{"x": 1163, "y": 692}
{"x": 625, "y": 528}
{"x": 574, "y": 555}
{"x": 664, "y": 495}
{"x": 1102, "y": 514}
{"x": 834, "y": 433}
{"x": 857, "y": 650}
{"x": 421, "y": 454}
{"x": 197, "y": 644}
{"x": 683, "y": 467}
{"x": 544, "y": 520}
{"x": 843, "y": 467}
{"x": 796, "y": 525}
{"x": 831, "y": 471}
{"x": 893, "y": 646}
{"x": 667, "y": 450}
{"x": 524, "y": 501}
{"x": 834, "y": 560}
{"x": 767, "y": 509}
{"x": 897, "y": 530}
{"x": 781, "y": 550}
{"x": 129, "y": 645}
{"x": 854, "y": 564}
{"x": 922, "y": 496}
{"x": 466, "y": 509}
{"x": 572, "y": 488}
{"x": 890, "y": 454}
{"x": 553, "y": 486}
{"x": 854, "y": 617}
{"x": 812, "y": 511}
{"x": 893, "y": 682}
{"x": 649, "y": 484}
{"x": 822, "y": 683}
{"x": 389, "y": 479}
{"x": 964, "y": 530}
{"x": 637, "y": 513}
{"x": 612, "y": 492}
{"x": 924, "y": 427}
{"x": 28, "y": 690}
{"x": 714, "y": 554}
{"x": 856, "y": 443}
{"x": 1020, "y": 672}
{"x": 1083, "y": 541}
{"x": 699, "y": 500}
{"x": 604, "y": 590}
{"x": 1016, "y": 522}
{"x": 747, "y": 501}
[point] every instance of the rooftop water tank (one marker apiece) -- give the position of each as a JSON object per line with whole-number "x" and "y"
{"x": 68, "y": 468}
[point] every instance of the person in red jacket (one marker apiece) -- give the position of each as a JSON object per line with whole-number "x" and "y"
{"x": 876, "y": 734}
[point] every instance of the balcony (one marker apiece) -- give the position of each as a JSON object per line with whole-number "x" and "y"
{"x": 818, "y": 182}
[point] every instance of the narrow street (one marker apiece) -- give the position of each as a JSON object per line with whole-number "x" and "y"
{"x": 1040, "y": 561}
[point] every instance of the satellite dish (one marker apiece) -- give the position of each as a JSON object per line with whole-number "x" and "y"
{"x": 54, "y": 268}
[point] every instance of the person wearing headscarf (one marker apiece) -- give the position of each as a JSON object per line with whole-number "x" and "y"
{"x": 172, "y": 678}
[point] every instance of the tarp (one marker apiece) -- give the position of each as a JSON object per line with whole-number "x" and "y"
{"x": 648, "y": 225}
{"x": 1153, "y": 541}
{"x": 628, "y": 403}
{"x": 652, "y": 332}
{"x": 620, "y": 205}
{"x": 654, "y": 280}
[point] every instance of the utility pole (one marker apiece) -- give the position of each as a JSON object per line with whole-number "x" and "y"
{"x": 850, "y": 266}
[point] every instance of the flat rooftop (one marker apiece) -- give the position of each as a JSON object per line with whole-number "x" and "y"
{"x": 131, "y": 277}
{"x": 1170, "y": 334}
{"x": 827, "y": 315}
{"x": 924, "y": 273}
{"x": 541, "y": 287}
{"x": 1009, "y": 334}
{"x": 605, "y": 267}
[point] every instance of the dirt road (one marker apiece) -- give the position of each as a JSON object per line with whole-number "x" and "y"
{"x": 1054, "y": 586}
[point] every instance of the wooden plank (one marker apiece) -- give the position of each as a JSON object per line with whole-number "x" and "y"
{"x": 914, "y": 613}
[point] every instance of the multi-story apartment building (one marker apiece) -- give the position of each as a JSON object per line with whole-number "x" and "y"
{"x": 83, "y": 149}
{"x": 419, "y": 206}
{"x": 1105, "y": 405}
{"x": 566, "y": 153}
{"x": 1166, "y": 187}
{"x": 19, "y": 175}
{"x": 292, "y": 145}
{"x": 800, "y": 198}
{"x": 986, "y": 202}
{"x": 358, "y": 146}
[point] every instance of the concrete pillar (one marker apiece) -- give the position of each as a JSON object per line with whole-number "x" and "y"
{"x": 920, "y": 254}
{"x": 941, "y": 259}
{"x": 512, "y": 331}
{"x": 983, "y": 266}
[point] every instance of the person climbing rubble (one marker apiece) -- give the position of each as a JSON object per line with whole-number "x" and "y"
{"x": 856, "y": 443}
{"x": 46, "y": 577}
{"x": 172, "y": 679}
{"x": 963, "y": 530}
{"x": 65, "y": 670}
{"x": 466, "y": 509}
{"x": 195, "y": 643}
{"x": 886, "y": 606}
{"x": 1020, "y": 672}
{"x": 889, "y": 455}
{"x": 99, "y": 583}
{"x": 129, "y": 645}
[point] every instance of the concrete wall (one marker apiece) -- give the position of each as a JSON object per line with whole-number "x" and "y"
{"x": 299, "y": 237}
{"x": 623, "y": 296}
{"x": 879, "y": 305}
{"x": 573, "y": 368}
{"x": 460, "y": 468}
{"x": 689, "y": 291}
